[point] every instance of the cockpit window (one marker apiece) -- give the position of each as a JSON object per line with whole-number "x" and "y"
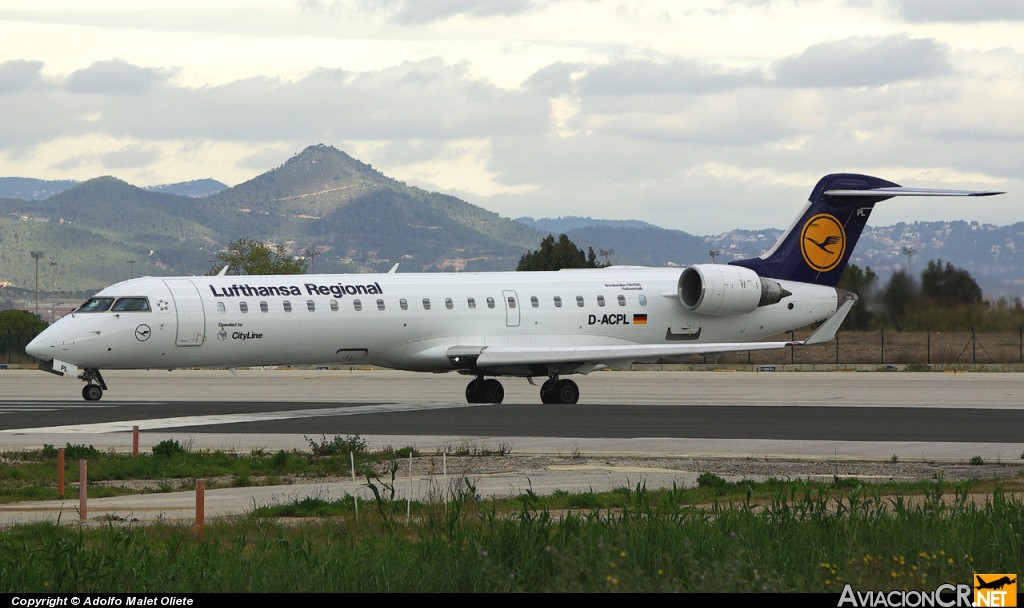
{"x": 131, "y": 305}
{"x": 96, "y": 305}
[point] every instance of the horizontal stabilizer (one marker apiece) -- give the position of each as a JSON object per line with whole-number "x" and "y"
{"x": 901, "y": 191}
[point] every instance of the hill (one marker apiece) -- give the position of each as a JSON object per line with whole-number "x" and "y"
{"x": 322, "y": 200}
{"x": 353, "y": 218}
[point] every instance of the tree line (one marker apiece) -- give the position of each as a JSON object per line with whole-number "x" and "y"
{"x": 943, "y": 298}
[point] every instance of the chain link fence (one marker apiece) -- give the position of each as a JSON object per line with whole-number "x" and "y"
{"x": 884, "y": 347}
{"x": 12, "y": 348}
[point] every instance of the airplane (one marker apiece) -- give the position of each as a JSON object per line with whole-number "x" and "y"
{"x": 998, "y": 583}
{"x": 482, "y": 324}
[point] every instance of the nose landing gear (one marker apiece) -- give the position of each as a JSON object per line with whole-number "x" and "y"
{"x": 93, "y": 390}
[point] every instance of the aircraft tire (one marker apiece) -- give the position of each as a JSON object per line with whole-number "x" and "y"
{"x": 565, "y": 391}
{"x": 492, "y": 391}
{"x": 474, "y": 391}
{"x": 92, "y": 392}
{"x": 547, "y": 392}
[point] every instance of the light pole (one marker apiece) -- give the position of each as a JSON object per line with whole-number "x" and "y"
{"x": 311, "y": 254}
{"x": 37, "y": 255}
{"x": 714, "y": 253}
{"x": 909, "y": 252}
{"x": 131, "y": 269}
{"x": 53, "y": 291}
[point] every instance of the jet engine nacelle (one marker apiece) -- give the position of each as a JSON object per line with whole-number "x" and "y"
{"x": 719, "y": 289}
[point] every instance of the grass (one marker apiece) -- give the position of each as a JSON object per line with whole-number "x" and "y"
{"x": 742, "y": 536}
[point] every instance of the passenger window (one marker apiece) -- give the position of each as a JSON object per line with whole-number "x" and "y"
{"x": 310, "y": 305}
{"x": 511, "y": 302}
{"x": 243, "y": 307}
{"x": 131, "y": 305}
{"x": 380, "y": 304}
{"x": 357, "y": 304}
{"x": 221, "y": 308}
{"x": 334, "y": 306}
{"x": 643, "y": 300}
{"x": 426, "y": 303}
{"x": 287, "y": 306}
{"x": 96, "y": 305}
{"x": 490, "y": 302}
{"x": 449, "y": 304}
{"x": 534, "y": 301}
{"x": 264, "y": 307}
{"x": 558, "y": 301}
{"x": 471, "y": 302}
{"x": 622, "y": 300}
{"x": 403, "y": 304}
{"x": 600, "y": 301}
{"x": 579, "y": 301}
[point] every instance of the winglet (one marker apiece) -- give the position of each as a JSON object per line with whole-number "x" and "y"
{"x": 394, "y": 269}
{"x": 223, "y": 271}
{"x": 827, "y": 331}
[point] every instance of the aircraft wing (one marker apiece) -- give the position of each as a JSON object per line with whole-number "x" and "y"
{"x": 579, "y": 358}
{"x": 499, "y": 357}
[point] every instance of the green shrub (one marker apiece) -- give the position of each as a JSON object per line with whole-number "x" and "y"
{"x": 168, "y": 448}
{"x": 337, "y": 446}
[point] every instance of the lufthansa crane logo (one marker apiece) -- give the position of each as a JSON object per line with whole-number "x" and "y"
{"x": 823, "y": 242}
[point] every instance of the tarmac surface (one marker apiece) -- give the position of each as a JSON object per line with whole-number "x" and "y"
{"x": 655, "y": 429}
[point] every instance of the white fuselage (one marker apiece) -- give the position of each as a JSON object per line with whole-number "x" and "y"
{"x": 403, "y": 321}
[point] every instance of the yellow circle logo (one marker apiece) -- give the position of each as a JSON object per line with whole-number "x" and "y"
{"x": 823, "y": 242}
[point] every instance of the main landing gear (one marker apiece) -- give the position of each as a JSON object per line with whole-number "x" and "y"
{"x": 484, "y": 391}
{"x": 552, "y": 391}
{"x": 559, "y": 391}
{"x": 93, "y": 390}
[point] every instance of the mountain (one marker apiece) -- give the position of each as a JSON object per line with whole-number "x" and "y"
{"x": 30, "y": 189}
{"x": 559, "y": 225}
{"x": 197, "y": 188}
{"x": 354, "y": 218}
{"x": 993, "y": 255}
{"x": 322, "y": 200}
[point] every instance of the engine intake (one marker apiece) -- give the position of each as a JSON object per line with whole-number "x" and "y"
{"x": 719, "y": 289}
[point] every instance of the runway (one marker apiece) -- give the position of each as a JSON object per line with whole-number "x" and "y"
{"x": 623, "y": 418}
{"x": 924, "y": 414}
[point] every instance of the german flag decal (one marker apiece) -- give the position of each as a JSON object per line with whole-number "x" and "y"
{"x": 639, "y": 319}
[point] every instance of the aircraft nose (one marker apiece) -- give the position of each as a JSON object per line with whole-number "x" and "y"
{"x": 41, "y": 347}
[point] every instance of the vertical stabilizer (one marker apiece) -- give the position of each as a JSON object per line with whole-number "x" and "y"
{"x": 817, "y": 247}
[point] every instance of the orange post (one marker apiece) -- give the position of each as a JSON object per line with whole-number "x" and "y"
{"x": 83, "y": 484}
{"x": 135, "y": 442}
{"x": 60, "y": 472}
{"x": 200, "y": 506}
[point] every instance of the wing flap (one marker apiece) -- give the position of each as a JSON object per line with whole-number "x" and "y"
{"x": 510, "y": 356}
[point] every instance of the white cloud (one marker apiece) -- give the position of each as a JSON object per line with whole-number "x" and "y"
{"x": 703, "y": 116}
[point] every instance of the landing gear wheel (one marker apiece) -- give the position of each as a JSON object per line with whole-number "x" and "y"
{"x": 547, "y": 391}
{"x": 92, "y": 392}
{"x": 492, "y": 391}
{"x": 474, "y": 391}
{"x": 565, "y": 391}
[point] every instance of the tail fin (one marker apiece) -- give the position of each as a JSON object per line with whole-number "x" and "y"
{"x": 817, "y": 247}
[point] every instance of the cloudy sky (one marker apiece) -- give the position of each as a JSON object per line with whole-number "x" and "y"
{"x": 698, "y": 115}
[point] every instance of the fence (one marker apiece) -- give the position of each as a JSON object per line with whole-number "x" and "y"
{"x": 890, "y": 347}
{"x": 12, "y": 348}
